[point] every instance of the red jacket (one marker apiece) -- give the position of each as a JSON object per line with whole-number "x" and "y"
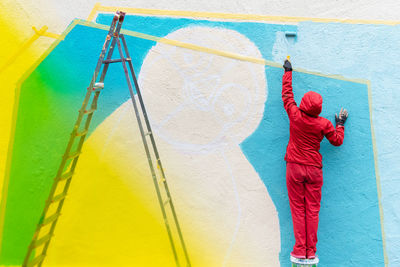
{"x": 307, "y": 129}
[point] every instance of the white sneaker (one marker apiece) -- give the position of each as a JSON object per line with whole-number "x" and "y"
{"x": 304, "y": 261}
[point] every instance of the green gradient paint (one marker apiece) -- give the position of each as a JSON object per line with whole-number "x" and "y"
{"x": 50, "y": 98}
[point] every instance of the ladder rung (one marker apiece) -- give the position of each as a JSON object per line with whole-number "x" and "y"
{"x": 107, "y": 61}
{"x": 147, "y": 133}
{"x": 66, "y": 176}
{"x": 41, "y": 241}
{"x": 81, "y": 133}
{"x": 167, "y": 201}
{"x": 59, "y": 197}
{"x": 74, "y": 155}
{"x": 89, "y": 111}
{"x": 50, "y": 219}
{"x": 36, "y": 260}
{"x": 162, "y": 180}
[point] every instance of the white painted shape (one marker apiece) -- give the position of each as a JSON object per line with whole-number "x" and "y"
{"x": 201, "y": 107}
{"x": 205, "y": 101}
{"x": 219, "y": 198}
{"x": 206, "y": 189}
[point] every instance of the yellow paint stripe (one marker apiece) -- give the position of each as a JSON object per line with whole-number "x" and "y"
{"x": 27, "y": 44}
{"x": 229, "y": 16}
{"x": 378, "y": 179}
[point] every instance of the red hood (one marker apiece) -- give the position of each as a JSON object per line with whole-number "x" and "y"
{"x": 311, "y": 103}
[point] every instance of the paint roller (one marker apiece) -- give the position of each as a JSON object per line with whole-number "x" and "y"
{"x": 291, "y": 39}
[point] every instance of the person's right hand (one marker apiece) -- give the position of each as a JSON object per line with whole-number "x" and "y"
{"x": 287, "y": 66}
{"x": 343, "y": 114}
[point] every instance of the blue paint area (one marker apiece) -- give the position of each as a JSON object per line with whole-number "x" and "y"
{"x": 369, "y": 52}
{"x": 349, "y": 217}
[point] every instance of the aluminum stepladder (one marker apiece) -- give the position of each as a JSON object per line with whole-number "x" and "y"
{"x": 52, "y": 210}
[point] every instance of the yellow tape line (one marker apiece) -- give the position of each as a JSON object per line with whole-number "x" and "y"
{"x": 214, "y": 15}
{"x": 216, "y": 52}
{"x": 47, "y": 34}
{"x": 378, "y": 179}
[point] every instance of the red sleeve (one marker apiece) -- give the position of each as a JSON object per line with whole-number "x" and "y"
{"x": 335, "y": 136}
{"x": 287, "y": 94}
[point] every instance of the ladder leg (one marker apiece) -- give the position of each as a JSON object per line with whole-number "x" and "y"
{"x": 147, "y": 153}
{"x": 155, "y": 148}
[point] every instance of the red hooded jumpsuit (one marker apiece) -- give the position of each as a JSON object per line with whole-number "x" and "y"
{"x": 304, "y": 164}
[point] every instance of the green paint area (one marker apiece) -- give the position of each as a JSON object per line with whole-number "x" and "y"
{"x": 48, "y": 107}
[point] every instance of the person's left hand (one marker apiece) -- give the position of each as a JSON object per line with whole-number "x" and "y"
{"x": 343, "y": 114}
{"x": 287, "y": 66}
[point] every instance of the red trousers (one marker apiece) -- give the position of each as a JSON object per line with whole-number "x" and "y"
{"x": 304, "y": 188}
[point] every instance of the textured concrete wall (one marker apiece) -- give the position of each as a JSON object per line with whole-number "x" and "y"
{"x": 212, "y": 90}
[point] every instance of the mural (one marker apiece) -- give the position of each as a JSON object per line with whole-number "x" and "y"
{"x": 222, "y": 133}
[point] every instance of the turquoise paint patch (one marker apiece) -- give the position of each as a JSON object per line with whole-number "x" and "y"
{"x": 370, "y": 52}
{"x": 349, "y": 229}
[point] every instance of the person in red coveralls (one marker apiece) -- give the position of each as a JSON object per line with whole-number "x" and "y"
{"x": 304, "y": 162}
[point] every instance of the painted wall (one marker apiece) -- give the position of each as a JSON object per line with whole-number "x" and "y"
{"x": 212, "y": 90}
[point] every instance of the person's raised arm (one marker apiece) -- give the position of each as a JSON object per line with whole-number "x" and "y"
{"x": 336, "y": 136}
{"x": 287, "y": 90}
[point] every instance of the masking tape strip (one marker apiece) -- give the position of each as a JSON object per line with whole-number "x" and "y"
{"x": 229, "y": 16}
